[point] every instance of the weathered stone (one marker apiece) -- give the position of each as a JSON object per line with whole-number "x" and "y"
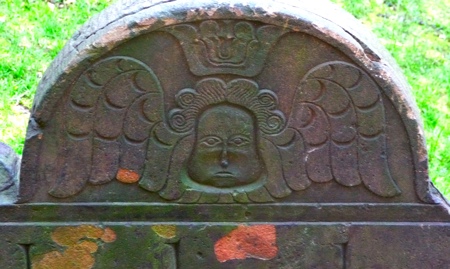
{"x": 204, "y": 134}
{"x": 9, "y": 174}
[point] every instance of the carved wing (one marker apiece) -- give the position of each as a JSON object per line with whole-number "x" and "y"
{"x": 111, "y": 112}
{"x": 337, "y": 127}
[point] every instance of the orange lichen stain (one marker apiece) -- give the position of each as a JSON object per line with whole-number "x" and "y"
{"x": 76, "y": 257}
{"x": 80, "y": 243}
{"x": 69, "y": 236}
{"x": 257, "y": 242}
{"x": 108, "y": 236}
{"x": 90, "y": 246}
{"x": 165, "y": 231}
{"x": 127, "y": 176}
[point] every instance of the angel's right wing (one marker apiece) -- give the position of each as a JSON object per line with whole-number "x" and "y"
{"x": 112, "y": 111}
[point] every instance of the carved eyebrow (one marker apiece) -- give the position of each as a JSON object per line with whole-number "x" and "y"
{"x": 235, "y": 130}
{"x": 207, "y": 131}
{"x": 231, "y": 131}
{"x": 231, "y": 134}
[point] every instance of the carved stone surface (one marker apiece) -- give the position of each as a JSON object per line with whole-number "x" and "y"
{"x": 244, "y": 115}
{"x": 203, "y": 134}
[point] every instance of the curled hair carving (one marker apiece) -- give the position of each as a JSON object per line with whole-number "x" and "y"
{"x": 242, "y": 92}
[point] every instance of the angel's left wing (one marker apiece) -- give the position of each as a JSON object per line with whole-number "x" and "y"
{"x": 336, "y": 129}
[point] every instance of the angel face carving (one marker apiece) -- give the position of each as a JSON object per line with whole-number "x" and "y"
{"x": 225, "y": 151}
{"x": 226, "y": 123}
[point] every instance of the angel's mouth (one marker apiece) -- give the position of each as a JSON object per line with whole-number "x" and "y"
{"x": 223, "y": 179}
{"x": 224, "y": 174}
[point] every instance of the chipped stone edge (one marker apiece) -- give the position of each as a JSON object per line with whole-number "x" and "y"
{"x": 10, "y": 164}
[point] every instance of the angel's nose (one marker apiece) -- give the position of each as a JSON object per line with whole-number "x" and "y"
{"x": 224, "y": 162}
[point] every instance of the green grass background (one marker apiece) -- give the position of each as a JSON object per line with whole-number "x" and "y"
{"x": 416, "y": 32}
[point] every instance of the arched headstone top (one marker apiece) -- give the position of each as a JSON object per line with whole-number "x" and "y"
{"x": 224, "y": 102}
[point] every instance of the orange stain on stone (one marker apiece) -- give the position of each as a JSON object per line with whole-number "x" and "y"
{"x": 71, "y": 235}
{"x": 127, "y": 176}
{"x": 257, "y": 242}
{"x": 92, "y": 247}
{"x": 80, "y": 243}
{"x": 108, "y": 236}
{"x": 165, "y": 231}
{"x": 73, "y": 258}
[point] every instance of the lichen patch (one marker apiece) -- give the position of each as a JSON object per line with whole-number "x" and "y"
{"x": 165, "y": 231}
{"x": 258, "y": 242}
{"x": 127, "y": 176}
{"x": 80, "y": 243}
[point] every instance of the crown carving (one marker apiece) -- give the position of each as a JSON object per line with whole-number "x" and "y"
{"x": 226, "y": 46}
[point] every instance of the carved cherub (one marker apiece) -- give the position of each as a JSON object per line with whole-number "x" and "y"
{"x": 225, "y": 141}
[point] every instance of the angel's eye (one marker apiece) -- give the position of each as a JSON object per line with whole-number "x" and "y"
{"x": 239, "y": 140}
{"x": 210, "y": 141}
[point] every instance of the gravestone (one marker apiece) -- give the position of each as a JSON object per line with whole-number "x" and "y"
{"x": 9, "y": 177}
{"x": 212, "y": 134}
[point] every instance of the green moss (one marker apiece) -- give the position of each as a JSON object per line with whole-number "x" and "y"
{"x": 31, "y": 35}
